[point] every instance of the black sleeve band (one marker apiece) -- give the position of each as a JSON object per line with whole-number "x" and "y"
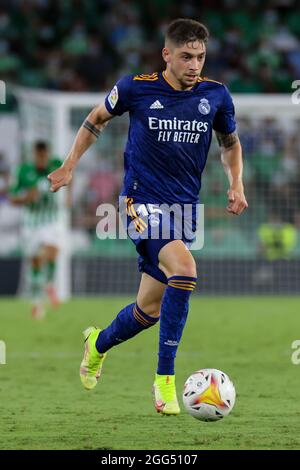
{"x": 90, "y": 127}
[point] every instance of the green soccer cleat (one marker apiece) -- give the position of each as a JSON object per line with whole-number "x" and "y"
{"x": 91, "y": 365}
{"x": 164, "y": 392}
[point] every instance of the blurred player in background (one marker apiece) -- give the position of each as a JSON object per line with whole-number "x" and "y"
{"x": 172, "y": 115}
{"x": 40, "y": 233}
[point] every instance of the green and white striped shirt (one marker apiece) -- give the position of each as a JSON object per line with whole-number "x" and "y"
{"x": 46, "y": 209}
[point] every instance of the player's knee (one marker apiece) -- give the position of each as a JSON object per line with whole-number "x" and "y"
{"x": 51, "y": 253}
{"x": 36, "y": 262}
{"x": 186, "y": 268}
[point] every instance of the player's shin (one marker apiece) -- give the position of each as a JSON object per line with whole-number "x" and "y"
{"x": 50, "y": 267}
{"x": 37, "y": 281}
{"x": 130, "y": 321}
{"x": 174, "y": 311}
{"x": 50, "y": 287}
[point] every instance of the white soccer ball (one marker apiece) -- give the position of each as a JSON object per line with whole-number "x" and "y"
{"x": 209, "y": 395}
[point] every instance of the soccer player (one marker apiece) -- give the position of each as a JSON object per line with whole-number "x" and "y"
{"x": 172, "y": 115}
{"x": 40, "y": 234}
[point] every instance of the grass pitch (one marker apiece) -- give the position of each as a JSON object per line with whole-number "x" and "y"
{"x": 43, "y": 405}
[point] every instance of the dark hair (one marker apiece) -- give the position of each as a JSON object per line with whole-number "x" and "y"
{"x": 41, "y": 145}
{"x": 184, "y": 30}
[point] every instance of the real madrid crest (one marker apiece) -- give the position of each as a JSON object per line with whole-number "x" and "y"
{"x": 204, "y": 106}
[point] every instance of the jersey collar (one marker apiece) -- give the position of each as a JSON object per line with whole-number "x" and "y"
{"x": 169, "y": 84}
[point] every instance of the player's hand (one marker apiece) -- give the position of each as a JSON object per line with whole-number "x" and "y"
{"x": 32, "y": 195}
{"x": 59, "y": 178}
{"x": 236, "y": 200}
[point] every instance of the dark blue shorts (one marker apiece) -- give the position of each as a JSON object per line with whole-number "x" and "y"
{"x": 152, "y": 226}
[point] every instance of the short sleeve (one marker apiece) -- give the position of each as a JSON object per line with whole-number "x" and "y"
{"x": 55, "y": 163}
{"x": 118, "y": 100}
{"x": 224, "y": 120}
{"x": 15, "y": 181}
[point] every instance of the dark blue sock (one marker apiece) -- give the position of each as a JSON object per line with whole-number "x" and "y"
{"x": 128, "y": 323}
{"x": 173, "y": 315}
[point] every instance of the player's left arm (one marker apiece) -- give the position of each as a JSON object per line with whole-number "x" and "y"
{"x": 231, "y": 156}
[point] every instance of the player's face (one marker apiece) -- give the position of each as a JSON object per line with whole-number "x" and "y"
{"x": 41, "y": 159}
{"x": 185, "y": 63}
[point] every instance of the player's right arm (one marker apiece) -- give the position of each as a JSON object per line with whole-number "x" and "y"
{"x": 116, "y": 103}
{"x": 26, "y": 197}
{"x": 19, "y": 193}
{"x": 88, "y": 133}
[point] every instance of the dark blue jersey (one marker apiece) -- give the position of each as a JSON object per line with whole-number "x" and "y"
{"x": 169, "y": 135}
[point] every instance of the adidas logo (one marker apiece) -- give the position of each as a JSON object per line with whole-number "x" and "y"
{"x": 156, "y": 105}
